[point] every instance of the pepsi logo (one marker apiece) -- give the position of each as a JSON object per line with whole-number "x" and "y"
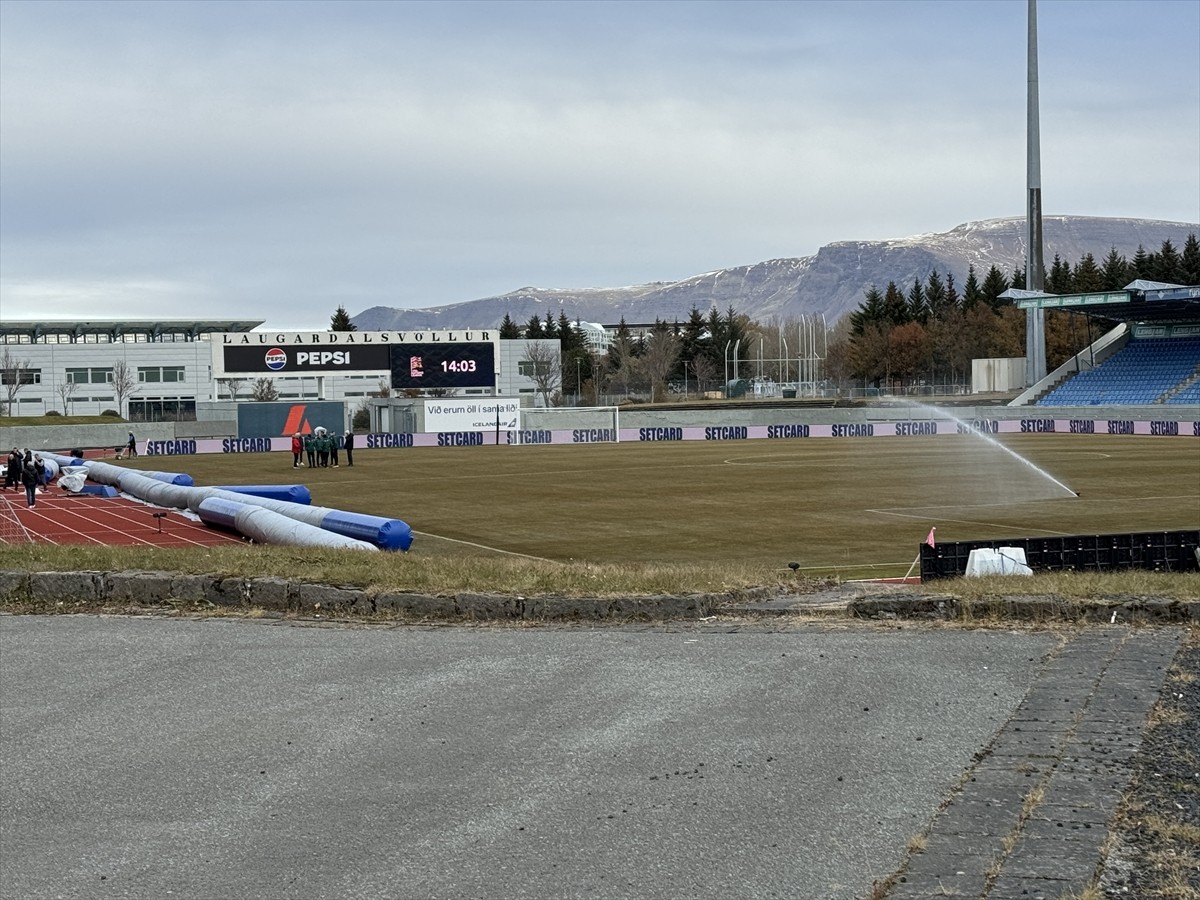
{"x": 276, "y": 358}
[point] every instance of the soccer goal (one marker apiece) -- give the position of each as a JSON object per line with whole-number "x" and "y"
{"x": 597, "y": 424}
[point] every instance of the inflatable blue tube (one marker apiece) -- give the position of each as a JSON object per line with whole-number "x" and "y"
{"x": 268, "y": 527}
{"x": 221, "y": 513}
{"x": 390, "y": 534}
{"x": 168, "y": 477}
{"x": 99, "y": 490}
{"x": 289, "y": 493}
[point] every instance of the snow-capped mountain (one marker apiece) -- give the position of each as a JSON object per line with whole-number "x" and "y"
{"x": 830, "y": 283}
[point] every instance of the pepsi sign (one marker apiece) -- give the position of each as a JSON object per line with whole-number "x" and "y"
{"x": 305, "y": 360}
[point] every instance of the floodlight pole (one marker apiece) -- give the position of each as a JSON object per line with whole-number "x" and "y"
{"x": 1035, "y": 316}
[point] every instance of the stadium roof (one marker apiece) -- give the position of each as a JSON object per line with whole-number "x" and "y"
{"x": 1140, "y": 301}
{"x": 114, "y": 329}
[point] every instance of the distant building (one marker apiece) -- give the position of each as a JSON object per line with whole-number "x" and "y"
{"x": 68, "y": 367}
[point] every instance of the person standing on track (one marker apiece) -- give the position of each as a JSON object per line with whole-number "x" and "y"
{"x": 297, "y": 449}
{"x": 32, "y": 473}
{"x": 131, "y": 447}
{"x": 12, "y": 474}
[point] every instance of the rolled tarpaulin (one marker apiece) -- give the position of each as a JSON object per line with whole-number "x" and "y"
{"x": 268, "y": 527}
{"x": 288, "y": 493}
{"x": 168, "y": 477}
{"x": 387, "y": 534}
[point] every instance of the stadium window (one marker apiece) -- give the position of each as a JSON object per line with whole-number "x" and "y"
{"x": 101, "y": 376}
{"x": 77, "y": 376}
{"x": 21, "y": 376}
{"x": 172, "y": 373}
{"x": 149, "y": 374}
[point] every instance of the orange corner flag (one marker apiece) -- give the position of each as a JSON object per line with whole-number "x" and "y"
{"x": 930, "y": 539}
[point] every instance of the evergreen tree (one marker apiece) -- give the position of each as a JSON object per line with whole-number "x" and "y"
{"x": 1140, "y": 264}
{"x": 953, "y": 300}
{"x": 1191, "y": 261}
{"x": 1169, "y": 268}
{"x": 340, "y": 321}
{"x": 550, "y": 329}
{"x": 534, "y": 328}
{"x": 1059, "y": 281}
{"x": 693, "y": 338}
{"x": 994, "y": 284}
{"x": 509, "y": 330}
{"x": 869, "y": 312}
{"x": 895, "y": 306}
{"x": 1115, "y": 273}
{"x": 972, "y": 294}
{"x": 918, "y": 311}
{"x": 1018, "y": 278}
{"x": 569, "y": 336}
{"x": 1087, "y": 276}
{"x": 936, "y": 299}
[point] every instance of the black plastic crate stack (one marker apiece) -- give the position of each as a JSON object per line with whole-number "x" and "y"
{"x": 1168, "y": 551}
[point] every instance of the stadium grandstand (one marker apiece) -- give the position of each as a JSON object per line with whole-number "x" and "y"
{"x": 1148, "y": 352}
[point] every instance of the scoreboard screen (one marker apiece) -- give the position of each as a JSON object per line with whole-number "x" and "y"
{"x": 444, "y": 365}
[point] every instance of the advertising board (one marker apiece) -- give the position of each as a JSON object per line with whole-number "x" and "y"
{"x": 470, "y": 414}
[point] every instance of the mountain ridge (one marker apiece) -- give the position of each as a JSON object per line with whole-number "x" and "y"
{"x": 829, "y": 283}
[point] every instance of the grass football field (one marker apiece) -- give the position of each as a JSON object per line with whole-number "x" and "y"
{"x": 840, "y": 508}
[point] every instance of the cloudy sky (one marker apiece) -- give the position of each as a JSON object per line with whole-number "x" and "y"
{"x": 274, "y": 160}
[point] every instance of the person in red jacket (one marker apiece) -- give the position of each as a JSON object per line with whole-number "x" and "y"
{"x": 297, "y": 449}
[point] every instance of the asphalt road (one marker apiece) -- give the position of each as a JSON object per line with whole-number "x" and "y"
{"x": 152, "y": 757}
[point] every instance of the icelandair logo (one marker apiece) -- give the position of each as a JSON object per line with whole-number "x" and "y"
{"x": 296, "y": 421}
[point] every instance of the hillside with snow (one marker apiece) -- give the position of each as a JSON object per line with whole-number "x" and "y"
{"x": 830, "y": 283}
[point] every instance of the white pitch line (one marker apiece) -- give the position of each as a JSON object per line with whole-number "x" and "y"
{"x": 486, "y": 547}
{"x": 938, "y": 520}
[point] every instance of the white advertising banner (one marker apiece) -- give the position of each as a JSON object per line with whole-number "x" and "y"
{"x": 470, "y": 414}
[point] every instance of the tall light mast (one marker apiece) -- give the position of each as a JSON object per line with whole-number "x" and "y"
{"x": 1035, "y": 317}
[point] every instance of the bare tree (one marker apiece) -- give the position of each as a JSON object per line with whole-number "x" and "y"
{"x": 660, "y": 352}
{"x": 233, "y": 385}
{"x": 14, "y": 373}
{"x": 124, "y": 383}
{"x": 264, "y": 390}
{"x": 66, "y": 390}
{"x": 384, "y": 388}
{"x": 545, "y": 368}
{"x": 705, "y": 371}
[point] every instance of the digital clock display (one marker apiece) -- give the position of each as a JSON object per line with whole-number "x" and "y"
{"x": 444, "y": 365}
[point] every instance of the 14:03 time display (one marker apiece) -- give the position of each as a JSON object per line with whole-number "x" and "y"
{"x": 458, "y": 365}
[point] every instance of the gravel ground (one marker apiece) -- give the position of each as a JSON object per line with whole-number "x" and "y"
{"x": 1156, "y": 844}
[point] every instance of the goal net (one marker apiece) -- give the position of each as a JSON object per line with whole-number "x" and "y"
{"x": 556, "y": 424}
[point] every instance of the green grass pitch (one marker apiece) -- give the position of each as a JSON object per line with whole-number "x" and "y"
{"x": 837, "y": 507}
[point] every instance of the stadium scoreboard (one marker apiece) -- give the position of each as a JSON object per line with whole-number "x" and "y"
{"x": 414, "y": 359}
{"x": 457, "y": 365}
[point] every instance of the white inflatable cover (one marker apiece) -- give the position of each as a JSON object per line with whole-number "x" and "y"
{"x": 73, "y": 478}
{"x": 998, "y": 561}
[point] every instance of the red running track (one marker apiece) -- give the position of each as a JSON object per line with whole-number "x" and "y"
{"x": 62, "y": 518}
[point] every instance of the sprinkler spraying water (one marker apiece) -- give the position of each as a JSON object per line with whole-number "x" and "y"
{"x": 967, "y": 428}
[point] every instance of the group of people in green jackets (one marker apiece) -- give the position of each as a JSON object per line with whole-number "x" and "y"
{"x": 321, "y": 448}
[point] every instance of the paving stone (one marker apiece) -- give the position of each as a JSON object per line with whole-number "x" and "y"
{"x": 1031, "y": 889}
{"x": 423, "y": 605}
{"x": 65, "y": 587}
{"x": 138, "y": 588}
{"x": 14, "y": 585}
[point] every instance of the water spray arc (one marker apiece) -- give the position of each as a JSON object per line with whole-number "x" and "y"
{"x": 968, "y": 428}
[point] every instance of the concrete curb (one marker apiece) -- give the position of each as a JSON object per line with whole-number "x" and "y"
{"x": 158, "y": 589}
{"x": 864, "y": 600}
